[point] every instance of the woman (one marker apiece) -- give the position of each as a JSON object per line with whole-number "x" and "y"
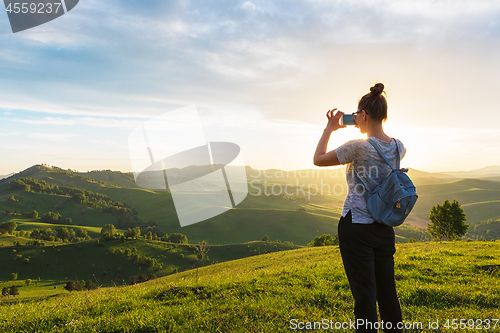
{"x": 366, "y": 247}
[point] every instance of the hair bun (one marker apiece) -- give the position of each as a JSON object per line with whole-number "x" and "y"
{"x": 377, "y": 89}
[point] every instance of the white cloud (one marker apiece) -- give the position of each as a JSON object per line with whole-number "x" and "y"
{"x": 88, "y": 121}
{"x": 248, "y": 5}
{"x": 55, "y": 137}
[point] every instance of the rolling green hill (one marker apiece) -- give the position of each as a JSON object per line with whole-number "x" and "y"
{"x": 479, "y": 199}
{"x": 284, "y": 205}
{"x": 107, "y": 264}
{"x": 275, "y": 216}
{"x": 271, "y": 292}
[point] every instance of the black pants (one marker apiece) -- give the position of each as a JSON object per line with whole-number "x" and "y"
{"x": 367, "y": 253}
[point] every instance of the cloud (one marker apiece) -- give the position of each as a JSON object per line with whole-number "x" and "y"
{"x": 55, "y": 137}
{"x": 270, "y": 66}
{"x": 249, "y": 5}
{"x": 128, "y": 59}
{"x": 88, "y": 121}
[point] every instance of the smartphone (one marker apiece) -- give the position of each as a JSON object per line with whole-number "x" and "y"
{"x": 348, "y": 119}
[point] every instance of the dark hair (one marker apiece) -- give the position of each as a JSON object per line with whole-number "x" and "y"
{"x": 374, "y": 103}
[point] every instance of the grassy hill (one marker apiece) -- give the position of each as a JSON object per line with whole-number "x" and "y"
{"x": 297, "y": 217}
{"x": 106, "y": 263}
{"x": 275, "y": 216}
{"x": 479, "y": 199}
{"x": 435, "y": 281}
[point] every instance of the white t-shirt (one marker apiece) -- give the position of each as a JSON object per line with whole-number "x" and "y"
{"x": 370, "y": 167}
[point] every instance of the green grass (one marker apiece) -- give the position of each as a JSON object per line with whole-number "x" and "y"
{"x": 86, "y": 260}
{"x": 435, "y": 281}
{"x": 43, "y": 203}
{"x": 9, "y": 240}
{"x": 31, "y": 224}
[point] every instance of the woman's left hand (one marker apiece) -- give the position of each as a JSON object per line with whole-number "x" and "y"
{"x": 334, "y": 120}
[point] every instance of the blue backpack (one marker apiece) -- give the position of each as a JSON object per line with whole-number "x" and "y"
{"x": 390, "y": 202}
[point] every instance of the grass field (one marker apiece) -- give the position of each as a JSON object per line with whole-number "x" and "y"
{"x": 435, "y": 282}
{"x": 54, "y": 266}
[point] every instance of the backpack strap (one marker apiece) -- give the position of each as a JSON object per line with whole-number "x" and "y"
{"x": 366, "y": 192}
{"x": 376, "y": 146}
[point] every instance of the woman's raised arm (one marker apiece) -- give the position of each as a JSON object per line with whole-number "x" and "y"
{"x": 321, "y": 157}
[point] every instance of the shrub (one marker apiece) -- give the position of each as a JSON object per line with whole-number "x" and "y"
{"x": 70, "y": 286}
{"x": 177, "y": 238}
{"x": 324, "y": 240}
{"x": 51, "y": 217}
{"x": 108, "y": 232}
{"x": 13, "y": 276}
{"x": 9, "y": 227}
{"x": 14, "y": 291}
{"x": 89, "y": 285}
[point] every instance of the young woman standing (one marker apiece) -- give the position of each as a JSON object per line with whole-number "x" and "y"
{"x": 367, "y": 247}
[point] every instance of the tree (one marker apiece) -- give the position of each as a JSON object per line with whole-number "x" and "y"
{"x": 324, "y": 240}
{"x": 51, "y": 217}
{"x": 177, "y": 238}
{"x": 63, "y": 233}
{"x": 5, "y": 291}
{"x": 149, "y": 236}
{"x": 133, "y": 233}
{"x": 447, "y": 221}
{"x": 34, "y": 214}
{"x": 14, "y": 291}
{"x": 266, "y": 238}
{"x": 81, "y": 233}
{"x": 108, "y": 232}
{"x": 13, "y": 276}
{"x": 10, "y": 226}
{"x": 79, "y": 198}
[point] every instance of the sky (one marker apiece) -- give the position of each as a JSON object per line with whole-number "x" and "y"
{"x": 261, "y": 74}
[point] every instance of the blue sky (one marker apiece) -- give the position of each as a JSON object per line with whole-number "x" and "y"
{"x": 261, "y": 74}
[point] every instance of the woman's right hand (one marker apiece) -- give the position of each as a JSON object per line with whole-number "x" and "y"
{"x": 334, "y": 120}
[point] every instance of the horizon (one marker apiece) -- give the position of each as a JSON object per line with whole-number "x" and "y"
{"x": 261, "y": 75}
{"x": 325, "y": 169}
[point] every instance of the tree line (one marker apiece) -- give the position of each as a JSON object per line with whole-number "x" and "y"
{"x": 126, "y": 216}
{"x": 108, "y": 232}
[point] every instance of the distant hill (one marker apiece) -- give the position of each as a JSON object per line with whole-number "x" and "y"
{"x": 486, "y": 172}
{"x": 7, "y": 176}
{"x": 293, "y": 206}
{"x": 275, "y": 216}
